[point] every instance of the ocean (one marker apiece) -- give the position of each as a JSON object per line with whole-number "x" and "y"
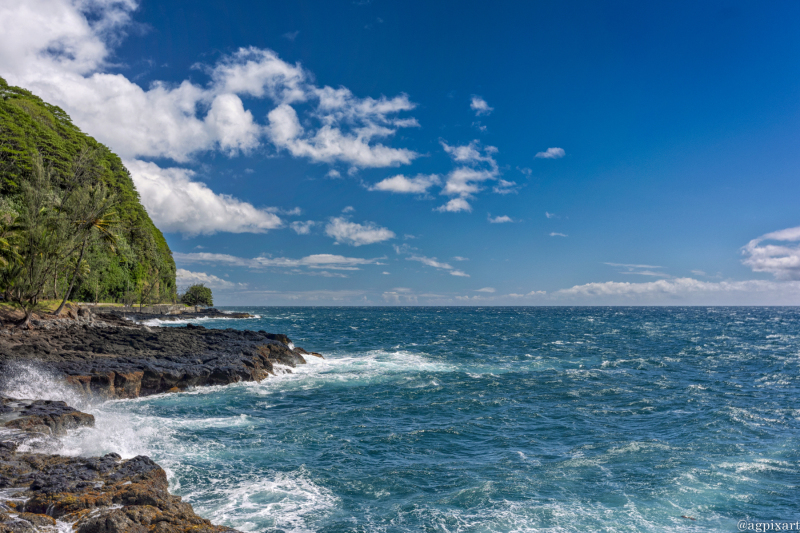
{"x": 487, "y": 420}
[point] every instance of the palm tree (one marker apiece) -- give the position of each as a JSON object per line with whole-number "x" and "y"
{"x": 95, "y": 220}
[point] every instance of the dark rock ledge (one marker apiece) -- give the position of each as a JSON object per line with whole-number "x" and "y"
{"x": 88, "y": 495}
{"x": 107, "y": 357}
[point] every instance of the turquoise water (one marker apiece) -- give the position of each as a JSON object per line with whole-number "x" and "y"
{"x": 490, "y": 420}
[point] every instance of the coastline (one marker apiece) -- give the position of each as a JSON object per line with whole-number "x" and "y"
{"x": 106, "y": 357}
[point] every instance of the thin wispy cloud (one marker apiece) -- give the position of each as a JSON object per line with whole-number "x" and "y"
{"x": 316, "y": 261}
{"x": 557, "y": 234}
{"x": 628, "y": 265}
{"x": 433, "y": 262}
{"x": 500, "y": 219}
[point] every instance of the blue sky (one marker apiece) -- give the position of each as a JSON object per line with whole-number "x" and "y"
{"x": 444, "y": 153}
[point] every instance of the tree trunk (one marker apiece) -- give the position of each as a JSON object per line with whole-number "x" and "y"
{"x": 74, "y": 275}
{"x": 26, "y": 322}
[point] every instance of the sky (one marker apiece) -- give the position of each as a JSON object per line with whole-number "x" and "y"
{"x": 387, "y": 152}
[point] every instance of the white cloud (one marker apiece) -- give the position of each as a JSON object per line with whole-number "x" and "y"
{"x": 549, "y": 215}
{"x": 348, "y": 209}
{"x": 684, "y": 288}
{"x": 647, "y": 273}
{"x": 629, "y": 265}
{"x": 316, "y": 261}
{"x": 185, "y": 278}
{"x": 329, "y": 144}
{"x": 505, "y": 187}
{"x": 486, "y": 289}
{"x": 291, "y": 35}
{"x": 476, "y": 165}
{"x": 432, "y": 262}
{"x": 459, "y": 258}
{"x": 783, "y": 262}
{"x": 526, "y": 295}
{"x": 454, "y": 206}
{"x": 698, "y": 272}
{"x": 480, "y": 106}
{"x": 500, "y": 219}
{"x": 557, "y": 234}
{"x": 302, "y": 228}
{"x": 355, "y": 234}
{"x": 178, "y": 204}
{"x": 401, "y": 184}
{"x": 551, "y": 153}
{"x": 60, "y": 50}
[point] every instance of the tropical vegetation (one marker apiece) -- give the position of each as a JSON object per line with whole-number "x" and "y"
{"x": 71, "y": 224}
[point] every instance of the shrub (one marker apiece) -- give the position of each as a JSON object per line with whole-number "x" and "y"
{"x": 198, "y": 295}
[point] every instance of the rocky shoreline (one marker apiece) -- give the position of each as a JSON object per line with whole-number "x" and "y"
{"x": 107, "y": 357}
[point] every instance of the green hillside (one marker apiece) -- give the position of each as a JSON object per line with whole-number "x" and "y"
{"x": 137, "y": 264}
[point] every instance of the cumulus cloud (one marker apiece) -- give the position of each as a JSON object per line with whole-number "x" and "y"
{"x": 185, "y": 278}
{"x": 346, "y": 232}
{"x": 454, "y": 206}
{"x": 178, "y": 204}
{"x": 401, "y": 184}
{"x": 781, "y": 261}
{"x": 476, "y": 165}
{"x": 60, "y": 50}
{"x": 432, "y": 262}
{"x": 330, "y": 144}
{"x": 480, "y": 106}
{"x": 302, "y": 228}
{"x": 500, "y": 219}
{"x": 551, "y": 153}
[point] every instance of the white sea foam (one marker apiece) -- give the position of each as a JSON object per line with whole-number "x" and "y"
{"x": 157, "y": 322}
{"x": 283, "y": 501}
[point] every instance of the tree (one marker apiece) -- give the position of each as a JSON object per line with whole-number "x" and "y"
{"x": 198, "y": 295}
{"x": 44, "y": 240}
{"x": 91, "y": 211}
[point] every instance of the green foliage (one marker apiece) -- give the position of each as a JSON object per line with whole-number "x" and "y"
{"x": 198, "y": 295}
{"x": 140, "y": 259}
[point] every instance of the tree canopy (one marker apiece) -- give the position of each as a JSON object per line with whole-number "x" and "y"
{"x": 198, "y": 295}
{"x": 37, "y": 137}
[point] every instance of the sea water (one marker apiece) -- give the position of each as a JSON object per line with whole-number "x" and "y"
{"x": 487, "y": 420}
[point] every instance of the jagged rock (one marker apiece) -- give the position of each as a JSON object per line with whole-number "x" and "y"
{"x": 97, "y": 494}
{"x": 128, "y": 361}
{"x": 41, "y": 416}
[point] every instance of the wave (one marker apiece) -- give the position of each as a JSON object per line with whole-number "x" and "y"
{"x": 157, "y": 322}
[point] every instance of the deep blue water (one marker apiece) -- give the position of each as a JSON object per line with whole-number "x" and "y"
{"x": 490, "y": 420}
